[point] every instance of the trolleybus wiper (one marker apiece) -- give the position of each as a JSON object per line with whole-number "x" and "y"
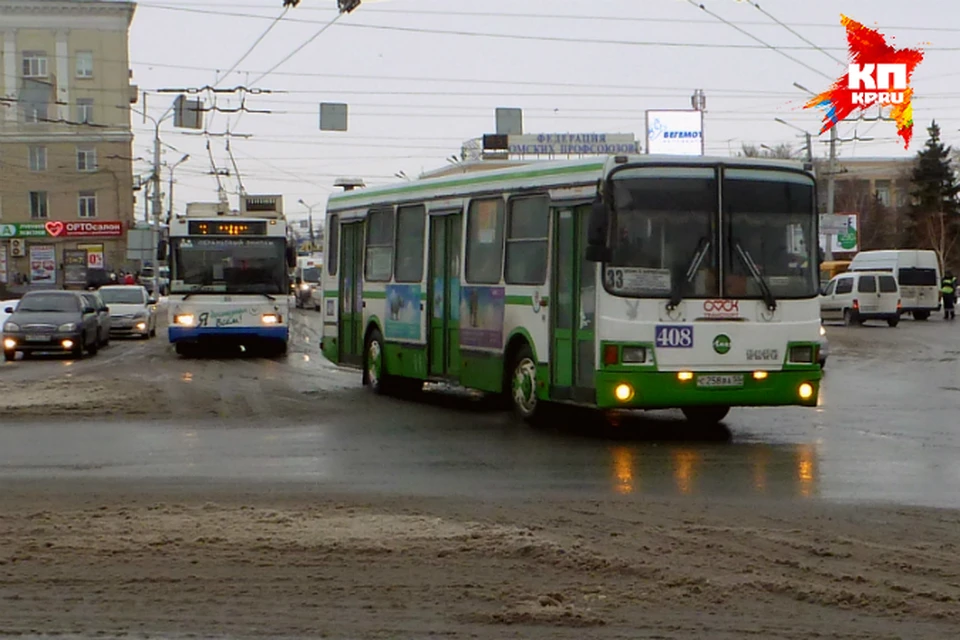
{"x": 755, "y": 272}
{"x": 676, "y": 294}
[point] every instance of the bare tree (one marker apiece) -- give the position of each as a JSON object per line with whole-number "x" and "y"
{"x": 942, "y": 234}
{"x": 782, "y": 151}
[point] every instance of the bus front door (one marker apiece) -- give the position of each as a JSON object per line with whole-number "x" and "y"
{"x": 443, "y": 296}
{"x": 351, "y": 294}
{"x": 573, "y": 298}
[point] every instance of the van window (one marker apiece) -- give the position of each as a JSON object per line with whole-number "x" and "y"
{"x": 868, "y": 284}
{"x": 888, "y": 284}
{"x": 914, "y": 277}
{"x": 844, "y": 285}
{"x": 829, "y": 290}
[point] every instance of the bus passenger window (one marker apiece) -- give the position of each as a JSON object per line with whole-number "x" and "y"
{"x": 527, "y": 231}
{"x": 410, "y": 230}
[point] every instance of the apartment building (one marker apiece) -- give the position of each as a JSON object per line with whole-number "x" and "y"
{"x": 66, "y": 182}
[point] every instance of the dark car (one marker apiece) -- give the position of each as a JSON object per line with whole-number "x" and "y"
{"x": 51, "y": 321}
{"x": 103, "y": 315}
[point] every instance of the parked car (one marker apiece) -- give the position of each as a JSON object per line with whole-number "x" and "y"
{"x": 103, "y": 316}
{"x": 57, "y": 321}
{"x": 133, "y": 310}
{"x": 858, "y": 296}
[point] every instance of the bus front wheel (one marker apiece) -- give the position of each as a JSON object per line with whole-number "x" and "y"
{"x": 523, "y": 385}
{"x": 373, "y": 367}
{"x": 705, "y": 415}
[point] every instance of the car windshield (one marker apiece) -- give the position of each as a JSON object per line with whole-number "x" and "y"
{"x": 663, "y": 233}
{"x": 123, "y": 296}
{"x": 311, "y": 274}
{"x": 40, "y": 303}
{"x": 769, "y": 219}
{"x": 232, "y": 265}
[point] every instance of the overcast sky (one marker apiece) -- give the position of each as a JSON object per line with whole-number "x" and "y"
{"x": 418, "y": 86}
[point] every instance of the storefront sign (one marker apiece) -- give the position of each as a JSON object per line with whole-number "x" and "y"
{"x": 74, "y": 267}
{"x": 59, "y": 229}
{"x": 94, "y": 255}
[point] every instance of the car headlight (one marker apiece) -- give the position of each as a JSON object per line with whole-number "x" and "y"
{"x": 305, "y": 286}
{"x": 67, "y": 326}
{"x": 11, "y": 326}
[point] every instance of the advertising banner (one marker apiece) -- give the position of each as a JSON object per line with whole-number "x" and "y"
{"x": 43, "y": 264}
{"x": 678, "y": 132}
{"x": 58, "y": 229}
{"x": 845, "y": 240}
{"x": 94, "y": 255}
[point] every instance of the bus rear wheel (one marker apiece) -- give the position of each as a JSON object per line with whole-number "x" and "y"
{"x": 523, "y": 386}
{"x": 705, "y": 416}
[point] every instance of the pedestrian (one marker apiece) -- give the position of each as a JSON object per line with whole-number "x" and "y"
{"x": 128, "y": 279}
{"x": 948, "y": 289}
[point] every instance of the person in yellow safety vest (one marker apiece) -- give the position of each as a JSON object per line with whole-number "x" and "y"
{"x": 948, "y": 289}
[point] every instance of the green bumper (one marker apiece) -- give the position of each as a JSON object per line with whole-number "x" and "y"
{"x": 664, "y": 390}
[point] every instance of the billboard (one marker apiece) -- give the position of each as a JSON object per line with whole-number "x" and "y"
{"x": 846, "y": 240}
{"x": 675, "y": 133}
{"x": 572, "y": 144}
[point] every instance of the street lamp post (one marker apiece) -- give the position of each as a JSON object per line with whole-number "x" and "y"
{"x": 831, "y": 178}
{"x": 309, "y": 216}
{"x": 170, "y": 191}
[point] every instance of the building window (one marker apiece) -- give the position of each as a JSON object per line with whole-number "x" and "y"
{"x": 379, "y": 264}
{"x": 86, "y": 159}
{"x": 527, "y": 230}
{"x": 84, "y": 64}
{"x": 485, "y": 241}
{"x": 34, "y": 64}
{"x": 85, "y": 110}
{"x": 883, "y": 192}
{"x": 38, "y": 204}
{"x": 38, "y": 158}
{"x": 87, "y": 204}
{"x": 411, "y": 222}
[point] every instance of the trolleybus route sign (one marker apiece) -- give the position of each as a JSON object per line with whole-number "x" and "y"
{"x": 674, "y": 336}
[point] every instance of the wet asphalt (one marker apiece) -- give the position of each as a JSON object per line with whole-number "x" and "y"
{"x": 887, "y": 430}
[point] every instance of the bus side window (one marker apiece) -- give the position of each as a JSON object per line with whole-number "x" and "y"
{"x": 527, "y": 229}
{"x": 379, "y": 254}
{"x": 334, "y": 245}
{"x": 485, "y": 241}
{"x": 411, "y": 223}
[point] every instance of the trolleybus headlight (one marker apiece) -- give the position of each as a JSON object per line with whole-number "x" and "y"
{"x": 633, "y": 355}
{"x": 823, "y": 331}
{"x": 805, "y": 391}
{"x": 801, "y": 354}
{"x": 684, "y": 376}
{"x": 623, "y": 392}
{"x": 270, "y": 318}
{"x": 9, "y": 343}
{"x": 185, "y": 320}
{"x": 760, "y": 375}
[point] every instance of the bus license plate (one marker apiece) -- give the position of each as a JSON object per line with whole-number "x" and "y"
{"x": 720, "y": 381}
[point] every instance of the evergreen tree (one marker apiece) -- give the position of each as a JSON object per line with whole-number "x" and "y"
{"x": 933, "y": 220}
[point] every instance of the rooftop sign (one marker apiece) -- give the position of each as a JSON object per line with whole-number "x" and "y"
{"x": 572, "y": 144}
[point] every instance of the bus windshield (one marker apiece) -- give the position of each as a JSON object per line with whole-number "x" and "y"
{"x": 769, "y": 219}
{"x": 665, "y": 237}
{"x": 663, "y": 233}
{"x": 228, "y": 265}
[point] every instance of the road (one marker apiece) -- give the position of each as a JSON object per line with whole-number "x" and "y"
{"x": 281, "y": 471}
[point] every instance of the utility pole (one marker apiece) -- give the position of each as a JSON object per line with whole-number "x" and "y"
{"x": 809, "y": 149}
{"x": 157, "y": 205}
{"x": 831, "y": 190}
{"x": 170, "y": 191}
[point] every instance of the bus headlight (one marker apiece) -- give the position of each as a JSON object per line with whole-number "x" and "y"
{"x": 185, "y": 320}
{"x": 805, "y": 391}
{"x": 801, "y": 354}
{"x": 823, "y": 331}
{"x": 633, "y": 355}
{"x": 623, "y": 392}
{"x": 684, "y": 376}
{"x": 270, "y": 318}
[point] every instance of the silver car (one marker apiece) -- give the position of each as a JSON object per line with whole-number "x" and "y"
{"x": 133, "y": 310}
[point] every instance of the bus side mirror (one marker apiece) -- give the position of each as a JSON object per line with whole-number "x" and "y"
{"x": 162, "y": 250}
{"x": 291, "y": 257}
{"x": 598, "y": 230}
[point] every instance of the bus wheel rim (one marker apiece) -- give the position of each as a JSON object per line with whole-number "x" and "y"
{"x": 525, "y": 387}
{"x": 374, "y": 364}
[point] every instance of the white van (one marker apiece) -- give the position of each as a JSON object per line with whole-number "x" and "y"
{"x": 857, "y": 296}
{"x": 917, "y": 272}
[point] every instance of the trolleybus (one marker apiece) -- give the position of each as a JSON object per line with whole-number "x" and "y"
{"x": 634, "y": 282}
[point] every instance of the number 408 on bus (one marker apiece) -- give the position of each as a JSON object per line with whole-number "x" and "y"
{"x": 674, "y": 336}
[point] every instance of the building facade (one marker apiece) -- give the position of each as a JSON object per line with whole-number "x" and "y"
{"x": 66, "y": 181}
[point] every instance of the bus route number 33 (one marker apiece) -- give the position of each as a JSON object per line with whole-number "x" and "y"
{"x": 674, "y": 336}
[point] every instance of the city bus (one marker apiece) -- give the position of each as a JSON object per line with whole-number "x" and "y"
{"x": 229, "y": 278}
{"x": 632, "y": 282}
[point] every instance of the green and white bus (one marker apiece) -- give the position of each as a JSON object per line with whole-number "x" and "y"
{"x": 631, "y": 282}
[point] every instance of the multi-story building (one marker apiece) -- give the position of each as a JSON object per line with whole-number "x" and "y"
{"x": 66, "y": 181}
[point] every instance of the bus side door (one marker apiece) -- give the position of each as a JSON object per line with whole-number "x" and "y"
{"x": 443, "y": 295}
{"x": 351, "y": 294}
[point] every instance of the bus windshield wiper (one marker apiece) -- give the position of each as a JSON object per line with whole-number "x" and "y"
{"x": 755, "y": 272}
{"x": 676, "y": 292}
